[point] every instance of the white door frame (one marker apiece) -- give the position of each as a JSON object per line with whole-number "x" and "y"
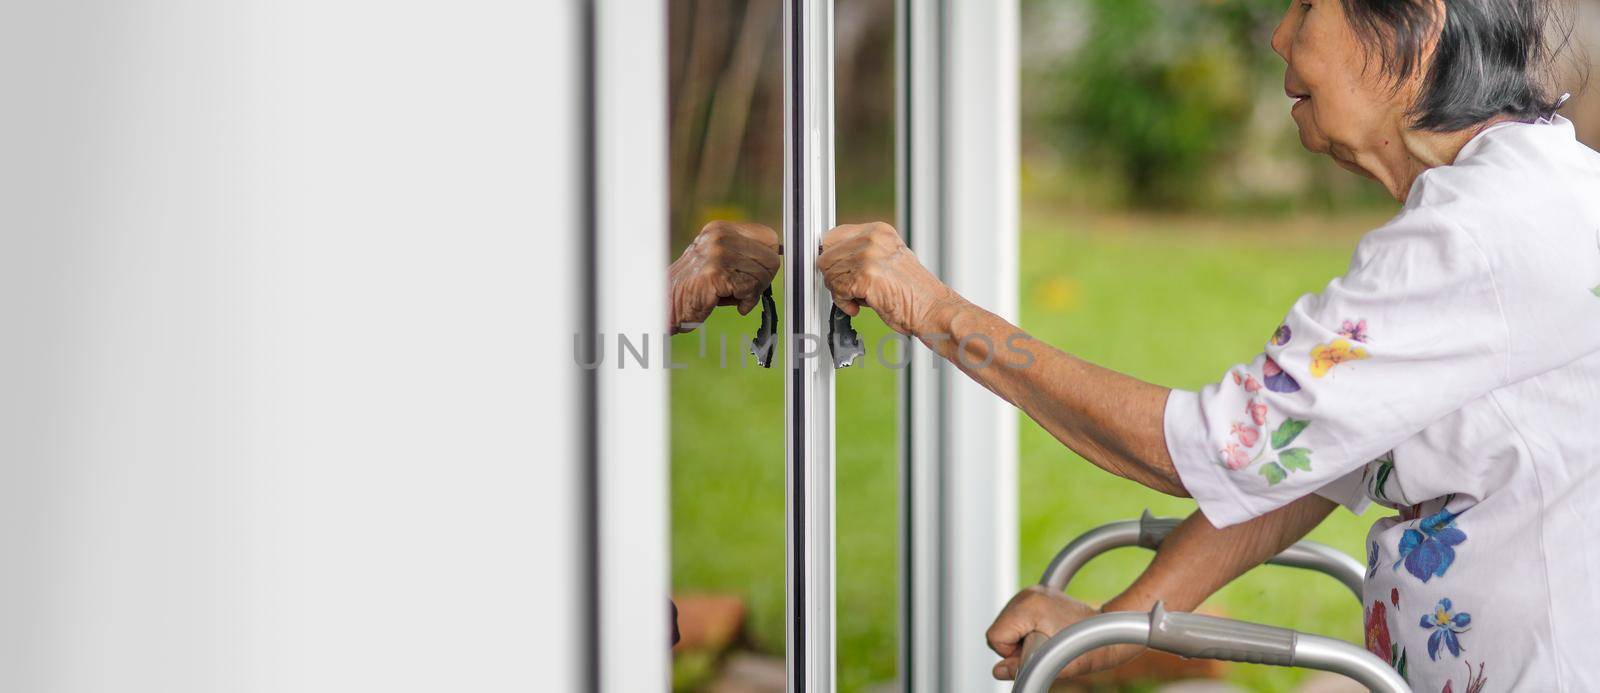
{"x": 632, "y": 520}
{"x": 808, "y": 212}
{"x": 958, "y": 192}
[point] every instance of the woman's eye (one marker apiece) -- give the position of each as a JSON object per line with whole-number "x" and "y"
{"x": 1305, "y": 6}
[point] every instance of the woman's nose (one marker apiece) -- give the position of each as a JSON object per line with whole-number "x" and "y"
{"x": 1283, "y": 36}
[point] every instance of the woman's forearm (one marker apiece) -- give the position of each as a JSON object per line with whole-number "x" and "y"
{"x": 1197, "y": 559}
{"x": 1117, "y": 423}
{"x": 1112, "y": 420}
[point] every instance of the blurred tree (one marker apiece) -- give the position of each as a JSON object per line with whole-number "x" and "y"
{"x": 726, "y": 92}
{"x": 1160, "y": 90}
{"x": 1175, "y": 103}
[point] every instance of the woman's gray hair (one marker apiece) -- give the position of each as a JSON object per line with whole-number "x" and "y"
{"x": 1492, "y": 56}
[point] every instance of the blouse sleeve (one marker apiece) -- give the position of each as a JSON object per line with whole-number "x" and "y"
{"x": 1411, "y": 332}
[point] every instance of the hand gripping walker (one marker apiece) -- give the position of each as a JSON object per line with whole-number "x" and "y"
{"x": 1194, "y": 635}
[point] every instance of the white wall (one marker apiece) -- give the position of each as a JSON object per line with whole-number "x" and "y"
{"x": 286, "y": 304}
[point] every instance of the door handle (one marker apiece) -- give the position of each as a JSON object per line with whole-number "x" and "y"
{"x": 843, "y": 342}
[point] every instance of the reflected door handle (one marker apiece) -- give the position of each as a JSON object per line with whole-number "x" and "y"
{"x": 766, "y": 340}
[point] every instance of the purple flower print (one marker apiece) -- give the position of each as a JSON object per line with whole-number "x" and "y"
{"x": 1277, "y": 380}
{"x": 1282, "y": 335}
{"x": 1355, "y": 331}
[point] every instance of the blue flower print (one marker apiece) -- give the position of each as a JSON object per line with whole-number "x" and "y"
{"x": 1429, "y": 550}
{"x": 1372, "y": 560}
{"x": 1446, "y": 627}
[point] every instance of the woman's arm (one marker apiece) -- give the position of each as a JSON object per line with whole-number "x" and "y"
{"x": 1197, "y": 559}
{"x": 1112, "y": 420}
{"x": 1194, "y": 561}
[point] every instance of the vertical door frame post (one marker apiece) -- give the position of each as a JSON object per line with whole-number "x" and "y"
{"x": 630, "y": 471}
{"x": 958, "y": 187}
{"x": 808, "y": 378}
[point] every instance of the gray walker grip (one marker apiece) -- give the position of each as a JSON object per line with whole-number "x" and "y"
{"x": 1149, "y": 532}
{"x": 1209, "y": 637}
{"x": 1154, "y": 530}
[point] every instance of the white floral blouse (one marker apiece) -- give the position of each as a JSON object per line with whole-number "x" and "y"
{"x": 1453, "y": 375}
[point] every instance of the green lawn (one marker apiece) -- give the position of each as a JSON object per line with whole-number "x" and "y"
{"x": 1173, "y": 300}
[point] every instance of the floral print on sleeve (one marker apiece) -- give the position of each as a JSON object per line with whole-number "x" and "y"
{"x": 1244, "y": 436}
{"x": 1276, "y": 379}
{"x": 1325, "y": 356}
{"x": 1289, "y": 459}
{"x": 1282, "y": 335}
{"x": 1236, "y": 455}
{"x": 1247, "y": 434}
{"x": 1257, "y": 412}
{"x": 1354, "y": 330}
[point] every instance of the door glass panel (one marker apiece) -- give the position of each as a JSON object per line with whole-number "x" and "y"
{"x": 727, "y": 427}
{"x": 727, "y": 101}
{"x": 867, "y": 395}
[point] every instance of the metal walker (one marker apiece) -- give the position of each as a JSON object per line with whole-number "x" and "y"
{"x": 1195, "y": 635}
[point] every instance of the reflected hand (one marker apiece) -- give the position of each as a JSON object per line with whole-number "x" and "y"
{"x": 869, "y": 265}
{"x": 728, "y": 264}
{"x": 1039, "y": 609}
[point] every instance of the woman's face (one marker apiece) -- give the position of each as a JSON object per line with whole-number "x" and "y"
{"x": 1344, "y": 106}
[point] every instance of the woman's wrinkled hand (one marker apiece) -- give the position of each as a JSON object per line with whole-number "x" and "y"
{"x": 869, "y": 265}
{"x": 1045, "y": 611}
{"x": 728, "y": 264}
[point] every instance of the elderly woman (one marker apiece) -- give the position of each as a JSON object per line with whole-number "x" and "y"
{"x": 1451, "y": 375}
